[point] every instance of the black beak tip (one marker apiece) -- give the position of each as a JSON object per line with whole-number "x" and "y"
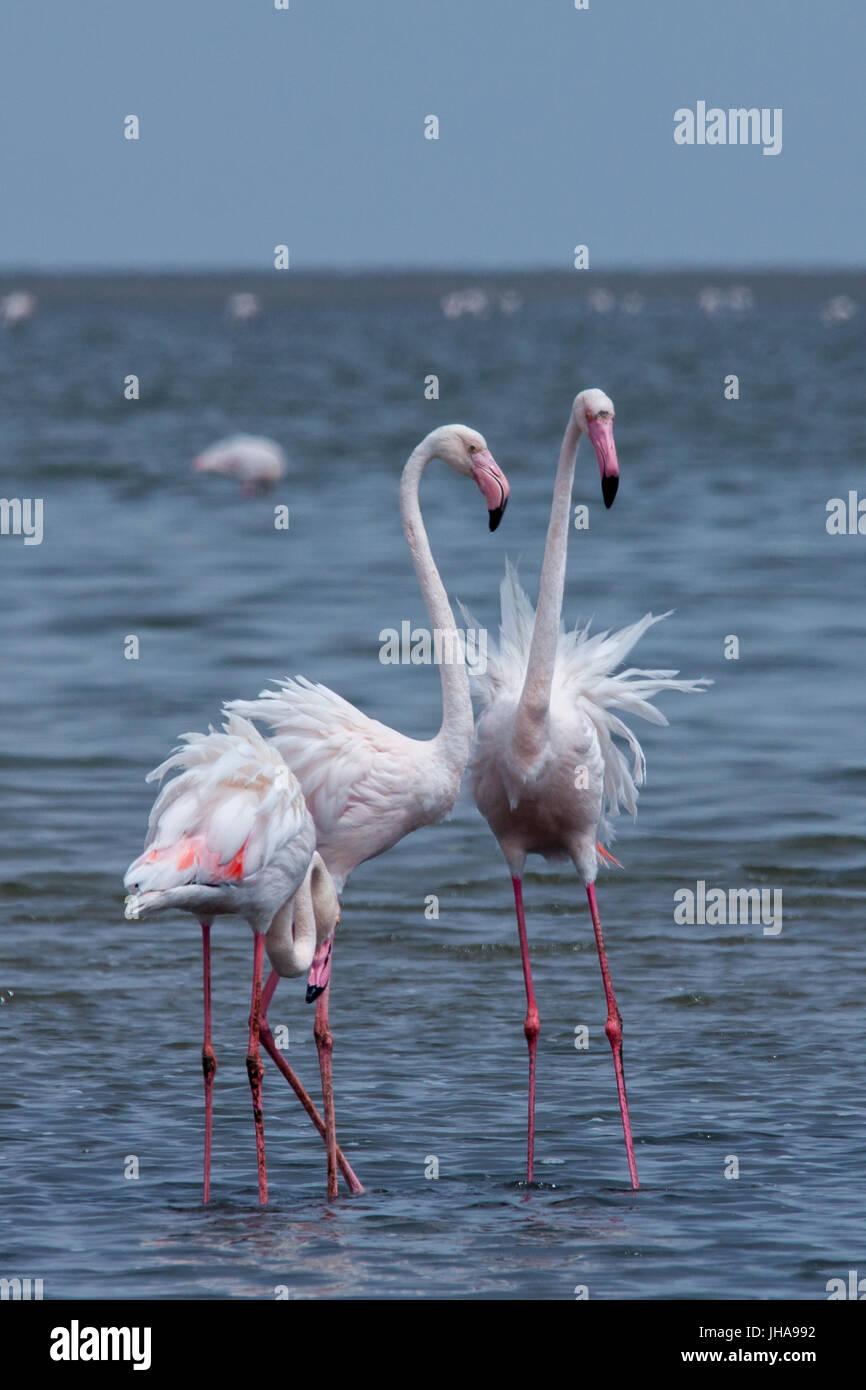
{"x": 496, "y": 514}
{"x": 313, "y": 992}
{"x": 609, "y": 486}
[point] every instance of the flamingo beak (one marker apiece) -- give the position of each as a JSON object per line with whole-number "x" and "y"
{"x": 492, "y": 484}
{"x": 320, "y": 971}
{"x": 601, "y": 433}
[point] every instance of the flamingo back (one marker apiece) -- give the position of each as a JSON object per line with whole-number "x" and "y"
{"x": 365, "y": 784}
{"x": 234, "y": 817}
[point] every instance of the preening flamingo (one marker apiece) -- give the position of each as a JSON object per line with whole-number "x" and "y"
{"x": 366, "y": 785}
{"x": 257, "y": 462}
{"x": 544, "y": 767}
{"x": 232, "y": 834}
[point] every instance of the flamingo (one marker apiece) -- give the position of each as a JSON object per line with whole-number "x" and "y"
{"x": 257, "y": 462}
{"x": 544, "y": 769}
{"x": 366, "y": 785}
{"x": 17, "y": 308}
{"x": 232, "y": 834}
{"x": 243, "y": 306}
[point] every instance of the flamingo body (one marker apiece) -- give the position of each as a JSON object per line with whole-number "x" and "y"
{"x": 255, "y": 461}
{"x": 230, "y": 834}
{"x": 554, "y": 798}
{"x": 365, "y": 785}
{"x": 17, "y": 308}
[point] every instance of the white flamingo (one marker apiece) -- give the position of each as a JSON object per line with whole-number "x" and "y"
{"x": 365, "y": 784}
{"x": 256, "y": 462}
{"x": 243, "y": 306}
{"x": 231, "y": 834}
{"x": 17, "y": 308}
{"x": 544, "y": 765}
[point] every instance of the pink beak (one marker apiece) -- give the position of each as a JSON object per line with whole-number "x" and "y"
{"x": 492, "y": 483}
{"x": 601, "y": 434}
{"x": 320, "y": 971}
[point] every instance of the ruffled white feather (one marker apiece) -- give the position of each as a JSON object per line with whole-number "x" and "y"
{"x": 234, "y": 817}
{"x": 586, "y": 678}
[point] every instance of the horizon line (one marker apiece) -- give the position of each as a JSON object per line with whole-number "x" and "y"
{"x": 338, "y": 272}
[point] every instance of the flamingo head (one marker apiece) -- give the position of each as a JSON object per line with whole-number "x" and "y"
{"x": 326, "y": 910}
{"x": 594, "y": 415}
{"x": 466, "y": 451}
{"x": 217, "y": 459}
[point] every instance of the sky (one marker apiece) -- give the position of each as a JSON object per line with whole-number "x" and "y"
{"x": 305, "y": 127}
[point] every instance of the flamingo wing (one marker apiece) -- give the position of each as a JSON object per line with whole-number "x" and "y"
{"x": 361, "y": 779}
{"x": 234, "y": 807}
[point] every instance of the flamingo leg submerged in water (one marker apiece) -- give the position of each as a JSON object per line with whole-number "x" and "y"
{"x": 325, "y": 1045}
{"x": 531, "y": 1026}
{"x": 279, "y": 1061}
{"x": 255, "y": 1070}
{"x": 613, "y": 1030}
{"x": 208, "y": 1061}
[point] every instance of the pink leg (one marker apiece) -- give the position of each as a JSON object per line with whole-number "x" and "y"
{"x": 208, "y": 1061}
{"x": 613, "y": 1029}
{"x": 354, "y": 1186}
{"x": 255, "y": 1071}
{"x": 325, "y": 1044}
{"x": 531, "y": 1026}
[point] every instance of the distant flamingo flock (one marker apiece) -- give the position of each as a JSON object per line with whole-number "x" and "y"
{"x": 270, "y": 829}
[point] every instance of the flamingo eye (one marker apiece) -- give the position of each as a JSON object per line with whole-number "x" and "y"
{"x": 473, "y": 448}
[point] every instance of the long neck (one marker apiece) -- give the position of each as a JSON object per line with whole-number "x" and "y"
{"x": 455, "y": 734}
{"x": 535, "y": 697}
{"x": 324, "y": 899}
{"x": 291, "y": 938}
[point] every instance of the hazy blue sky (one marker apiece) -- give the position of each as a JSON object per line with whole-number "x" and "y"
{"x": 306, "y": 127}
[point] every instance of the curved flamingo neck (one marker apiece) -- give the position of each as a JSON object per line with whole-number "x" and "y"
{"x": 535, "y": 696}
{"x": 455, "y": 733}
{"x": 291, "y": 937}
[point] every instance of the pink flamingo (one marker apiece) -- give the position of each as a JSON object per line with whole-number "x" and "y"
{"x": 367, "y": 785}
{"x": 544, "y": 766}
{"x": 232, "y": 834}
{"x": 257, "y": 462}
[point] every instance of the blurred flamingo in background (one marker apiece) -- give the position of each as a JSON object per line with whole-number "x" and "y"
{"x": 544, "y": 766}
{"x": 243, "y": 306}
{"x": 366, "y": 785}
{"x": 231, "y": 834}
{"x": 17, "y": 308}
{"x": 257, "y": 462}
